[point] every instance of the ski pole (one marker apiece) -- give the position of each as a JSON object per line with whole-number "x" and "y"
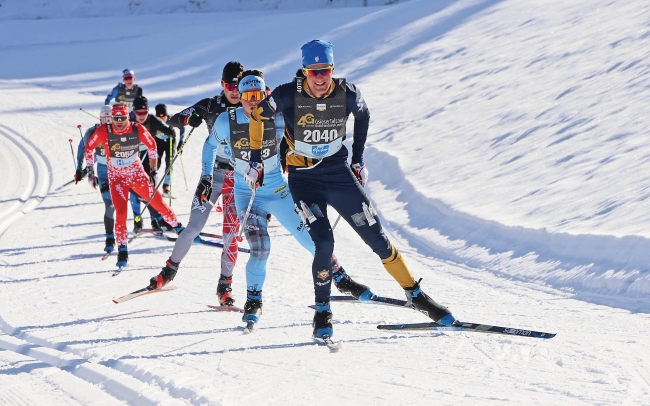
{"x": 184, "y": 177}
{"x": 336, "y": 222}
{"x": 90, "y": 114}
{"x": 80, "y": 134}
{"x": 248, "y": 210}
{"x": 171, "y": 171}
{"x": 178, "y": 152}
{"x": 74, "y": 163}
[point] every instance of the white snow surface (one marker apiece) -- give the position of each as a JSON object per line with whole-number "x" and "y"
{"x": 507, "y": 161}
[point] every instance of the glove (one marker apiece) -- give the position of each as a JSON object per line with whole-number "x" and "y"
{"x": 193, "y": 120}
{"x": 254, "y": 174}
{"x": 204, "y": 189}
{"x": 92, "y": 179}
{"x": 152, "y": 176}
{"x": 78, "y": 175}
{"x": 360, "y": 172}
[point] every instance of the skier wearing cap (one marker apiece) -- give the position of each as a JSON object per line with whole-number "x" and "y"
{"x": 218, "y": 179}
{"x": 166, "y": 145}
{"x": 315, "y": 110}
{"x": 163, "y": 134}
{"x": 271, "y": 198}
{"x": 102, "y": 176}
{"x": 121, "y": 140}
{"x": 126, "y": 91}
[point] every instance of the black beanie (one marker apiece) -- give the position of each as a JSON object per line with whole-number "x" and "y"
{"x": 140, "y": 103}
{"x": 161, "y": 110}
{"x": 231, "y": 71}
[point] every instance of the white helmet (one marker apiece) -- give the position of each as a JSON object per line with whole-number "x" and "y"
{"x": 106, "y": 114}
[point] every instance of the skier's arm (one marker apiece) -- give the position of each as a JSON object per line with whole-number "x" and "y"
{"x": 219, "y": 132}
{"x": 178, "y": 120}
{"x": 139, "y": 91}
{"x": 263, "y": 112}
{"x": 97, "y": 136}
{"x": 147, "y": 139}
{"x": 81, "y": 150}
{"x": 359, "y": 109}
{"x": 112, "y": 95}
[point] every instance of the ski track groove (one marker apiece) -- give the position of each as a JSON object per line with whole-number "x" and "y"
{"x": 32, "y": 196}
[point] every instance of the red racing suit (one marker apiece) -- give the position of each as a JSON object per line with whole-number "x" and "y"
{"x": 125, "y": 171}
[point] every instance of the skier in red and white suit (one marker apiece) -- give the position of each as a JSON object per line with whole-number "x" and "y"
{"x": 121, "y": 141}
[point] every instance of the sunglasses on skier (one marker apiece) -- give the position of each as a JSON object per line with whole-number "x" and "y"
{"x": 230, "y": 86}
{"x": 141, "y": 112}
{"x": 319, "y": 71}
{"x": 253, "y": 95}
{"x": 129, "y": 77}
{"x": 120, "y": 118}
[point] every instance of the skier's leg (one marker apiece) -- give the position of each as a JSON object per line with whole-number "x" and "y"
{"x": 119, "y": 197}
{"x": 198, "y": 218}
{"x": 143, "y": 187}
{"x": 230, "y": 225}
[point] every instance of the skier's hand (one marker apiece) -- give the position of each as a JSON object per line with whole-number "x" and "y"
{"x": 204, "y": 189}
{"x": 254, "y": 174}
{"x": 152, "y": 176}
{"x": 193, "y": 120}
{"x": 92, "y": 179}
{"x": 78, "y": 175}
{"x": 360, "y": 172}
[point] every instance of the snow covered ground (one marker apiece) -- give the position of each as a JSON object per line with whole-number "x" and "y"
{"x": 507, "y": 160}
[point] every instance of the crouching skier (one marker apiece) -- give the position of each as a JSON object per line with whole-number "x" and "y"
{"x": 272, "y": 195}
{"x": 121, "y": 141}
{"x": 315, "y": 110}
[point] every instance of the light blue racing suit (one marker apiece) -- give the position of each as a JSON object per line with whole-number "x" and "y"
{"x": 273, "y": 197}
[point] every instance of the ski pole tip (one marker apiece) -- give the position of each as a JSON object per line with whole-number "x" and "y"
{"x": 239, "y": 238}
{"x": 70, "y": 140}
{"x": 78, "y": 125}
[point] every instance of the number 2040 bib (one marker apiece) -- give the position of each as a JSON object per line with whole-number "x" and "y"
{"x": 319, "y": 125}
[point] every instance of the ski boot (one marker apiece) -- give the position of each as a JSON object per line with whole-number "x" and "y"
{"x": 137, "y": 224}
{"x": 322, "y": 321}
{"x": 158, "y": 224}
{"x": 348, "y": 286}
{"x": 253, "y": 307}
{"x": 421, "y": 302}
{"x": 110, "y": 243}
{"x": 224, "y": 291}
{"x": 166, "y": 190}
{"x": 165, "y": 276}
{"x": 178, "y": 229}
{"x": 122, "y": 256}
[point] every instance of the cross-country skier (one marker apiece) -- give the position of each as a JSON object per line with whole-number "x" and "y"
{"x": 273, "y": 197}
{"x": 164, "y": 135}
{"x": 166, "y": 145}
{"x": 315, "y": 110}
{"x": 102, "y": 176}
{"x": 125, "y": 92}
{"x": 217, "y": 179}
{"x": 121, "y": 141}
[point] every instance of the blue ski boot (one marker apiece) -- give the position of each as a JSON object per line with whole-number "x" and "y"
{"x": 110, "y": 243}
{"x": 253, "y": 307}
{"x": 122, "y": 256}
{"x": 421, "y": 302}
{"x": 179, "y": 228}
{"x": 322, "y": 321}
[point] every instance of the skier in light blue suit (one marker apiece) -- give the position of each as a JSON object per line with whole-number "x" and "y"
{"x": 272, "y": 196}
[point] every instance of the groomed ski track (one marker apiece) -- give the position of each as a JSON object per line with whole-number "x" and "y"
{"x": 60, "y": 326}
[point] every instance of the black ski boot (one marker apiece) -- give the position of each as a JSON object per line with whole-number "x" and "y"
{"x": 224, "y": 291}
{"x": 323, "y": 321}
{"x": 158, "y": 224}
{"x": 253, "y": 306}
{"x": 165, "y": 276}
{"x": 110, "y": 243}
{"x": 122, "y": 256}
{"x": 137, "y": 224}
{"x": 348, "y": 286}
{"x": 421, "y": 302}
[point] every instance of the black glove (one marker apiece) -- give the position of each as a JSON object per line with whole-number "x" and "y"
{"x": 193, "y": 120}
{"x": 78, "y": 175}
{"x": 152, "y": 175}
{"x": 204, "y": 189}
